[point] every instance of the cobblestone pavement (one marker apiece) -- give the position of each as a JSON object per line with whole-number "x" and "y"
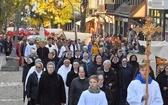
{"x": 11, "y": 88}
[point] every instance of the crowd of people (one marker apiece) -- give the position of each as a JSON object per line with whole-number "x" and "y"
{"x": 70, "y": 72}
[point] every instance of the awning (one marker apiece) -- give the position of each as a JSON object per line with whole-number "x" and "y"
{"x": 87, "y": 20}
{"x": 140, "y": 11}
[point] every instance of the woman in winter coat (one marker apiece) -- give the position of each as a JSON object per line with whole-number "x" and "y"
{"x": 51, "y": 90}
{"x": 96, "y": 65}
{"x": 32, "y": 83}
{"x": 116, "y": 66}
{"x": 105, "y": 89}
{"x": 72, "y": 74}
{"x": 162, "y": 79}
{"x": 78, "y": 85}
{"x": 93, "y": 96}
{"x": 133, "y": 62}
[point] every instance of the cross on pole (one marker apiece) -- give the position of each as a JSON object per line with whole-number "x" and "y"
{"x": 148, "y": 29}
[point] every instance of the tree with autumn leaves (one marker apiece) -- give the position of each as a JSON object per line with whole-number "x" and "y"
{"x": 47, "y": 12}
{"x": 7, "y": 9}
{"x": 50, "y": 12}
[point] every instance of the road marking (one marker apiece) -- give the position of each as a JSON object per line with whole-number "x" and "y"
{"x": 5, "y": 84}
{"x": 9, "y": 100}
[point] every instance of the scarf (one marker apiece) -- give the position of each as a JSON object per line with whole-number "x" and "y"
{"x": 86, "y": 61}
{"x": 142, "y": 80}
{"x": 94, "y": 91}
{"x": 38, "y": 75}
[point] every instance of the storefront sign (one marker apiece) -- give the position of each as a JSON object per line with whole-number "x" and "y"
{"x": 158, "y": 4}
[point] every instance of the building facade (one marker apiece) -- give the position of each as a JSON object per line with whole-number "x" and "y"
{"x": 158, "y": 11}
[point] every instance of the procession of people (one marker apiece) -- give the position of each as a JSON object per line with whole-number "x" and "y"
{"x": 72, "y": 72}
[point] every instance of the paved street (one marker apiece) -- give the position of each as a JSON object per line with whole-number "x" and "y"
{"x": 11, "y": 88}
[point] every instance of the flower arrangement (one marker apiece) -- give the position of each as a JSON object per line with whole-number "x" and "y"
{"x": 39, "y": 39}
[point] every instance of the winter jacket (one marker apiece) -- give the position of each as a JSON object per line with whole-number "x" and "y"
{"x": 51, "y": 90}
{"x": 76, "y": 90}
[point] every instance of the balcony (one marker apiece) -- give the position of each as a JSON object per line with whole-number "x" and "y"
{"x": 110, "y": 8}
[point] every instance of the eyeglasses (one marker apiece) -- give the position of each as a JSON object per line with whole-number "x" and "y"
{"x": 38, "y": 67}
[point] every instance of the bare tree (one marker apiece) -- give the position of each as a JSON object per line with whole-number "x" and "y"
{"x": 83, "y": 8}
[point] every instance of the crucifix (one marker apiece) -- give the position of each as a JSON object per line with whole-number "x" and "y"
{"x": 148, "y": 29}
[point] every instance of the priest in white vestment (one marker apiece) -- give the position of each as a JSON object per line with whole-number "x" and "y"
{"x": 136, "y": 91}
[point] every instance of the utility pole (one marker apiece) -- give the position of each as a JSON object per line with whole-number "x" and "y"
{"x": 74, "y": 19}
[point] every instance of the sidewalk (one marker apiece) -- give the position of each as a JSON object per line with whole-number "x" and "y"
{"x": 2, "y": 60}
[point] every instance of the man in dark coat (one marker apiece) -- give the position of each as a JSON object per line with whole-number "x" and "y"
{"x": 42, "y": 51}
{"x": 77, "y": 56}
{"x": 22, "y": 48}
{"x": 108, "y": 45}
{"x": 8, "y": 46}
{"x": 103, "y": 55}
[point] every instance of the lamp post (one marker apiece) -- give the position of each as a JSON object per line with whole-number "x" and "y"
{"x": 76, "y": 38}
{"x": 16, "y": 28}
{"x": 148, "y": 29}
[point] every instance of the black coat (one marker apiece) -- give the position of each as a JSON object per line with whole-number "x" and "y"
{"x": 85, "y": 65}
{"x": 126, "y": 76}
{"x": 42, "y": 53}
{"x": 51, "y": 90}
{"x": 108, "y": 93}
{"x": 110, "y": 77}
{"x": 162, "y": 79}
{"x": 48, "y": 60}
{"x": 32, "y": 86}
{"x": 134, "y": 64}
{"x": 94, "y": 69}
{"x": 7, "y": 47}
{"x": 70, "y": 76}
{"x": 22, "y": 49}
{"x": 76, "y": 90}
{"x": 104, "y": 56}
{"x": 116, "y": 68}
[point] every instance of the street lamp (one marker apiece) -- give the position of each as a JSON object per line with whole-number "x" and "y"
{"x": 59, "y": 6}
{"x": 76, "y": 38}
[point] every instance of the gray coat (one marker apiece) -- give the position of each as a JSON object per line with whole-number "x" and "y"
{"x": 76, "y": 90}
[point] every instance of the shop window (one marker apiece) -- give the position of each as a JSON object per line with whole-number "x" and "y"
{"x": 151, "y": 12}
{"x": 158, "y": 13}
